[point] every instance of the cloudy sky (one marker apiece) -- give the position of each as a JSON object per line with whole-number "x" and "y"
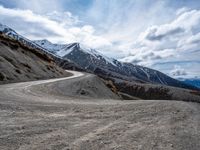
{"x": 161, "y": 34}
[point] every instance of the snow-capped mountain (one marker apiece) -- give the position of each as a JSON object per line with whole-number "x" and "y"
{"x": 5, "y": 30}
{"x": 53, "y": 48}
{"x": 64, "y": 49}
{"x": 93, "y": 61}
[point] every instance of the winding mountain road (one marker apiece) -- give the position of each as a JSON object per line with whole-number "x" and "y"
{"x": 37, "y": 115}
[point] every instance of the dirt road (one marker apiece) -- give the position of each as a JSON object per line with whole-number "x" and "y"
{"x": 31, "y": 118}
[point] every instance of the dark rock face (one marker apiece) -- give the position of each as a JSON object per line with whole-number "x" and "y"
{"x": 67, "y": 64}
{"x": 110, "y": 68}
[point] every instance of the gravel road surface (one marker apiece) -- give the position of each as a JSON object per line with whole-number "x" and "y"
{"x": 35, "y": 117}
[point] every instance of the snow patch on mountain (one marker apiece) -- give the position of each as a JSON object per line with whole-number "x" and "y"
{"x": 8, "y": 31}
{"x": 68, "y": 48}
{"x": 54, "y": 48}
{"x": 96, "y": 54}
{"x": 14, "y": 35}
{"x": 64, "y": 49}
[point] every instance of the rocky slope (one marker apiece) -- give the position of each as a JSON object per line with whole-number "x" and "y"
{"x": 154, "y": 91}
{"x": 128, "y": 80}
{"x": 81, "y": 85}
{"x": 19, "y": 62}
{"x": 92, "y": 61}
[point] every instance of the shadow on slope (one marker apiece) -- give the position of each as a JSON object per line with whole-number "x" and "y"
{"x": 151, "y": 91}
{"x": 19, "y": 62}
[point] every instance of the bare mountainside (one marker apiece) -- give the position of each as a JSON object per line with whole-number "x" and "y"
{"x": 93, "y": 61}
{"x": 19, "y": 62}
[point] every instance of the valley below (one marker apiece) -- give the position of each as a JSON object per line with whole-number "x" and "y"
{"x": 42, "y": 115}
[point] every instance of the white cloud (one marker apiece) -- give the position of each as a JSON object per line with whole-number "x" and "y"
{"x": 56, "y": 27}
{"x": 115, "y": 27}
{"x": 157, "y": 33}
{"x": 147, "y": 33}
{"x": 182, "y": 10}
{"x": 64, "y": 18}
{"x": 122, "y": 21}
{"x": 39, "y": 6}
{"x": 176, "y": 41}
{"x": 178, "y": 71}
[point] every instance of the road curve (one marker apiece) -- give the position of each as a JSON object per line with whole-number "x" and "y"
{"x": 31, "y": 119}
{"x": 22, "y": 91}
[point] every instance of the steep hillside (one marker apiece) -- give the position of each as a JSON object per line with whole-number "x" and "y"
{"x": 92, "y": 61}
{"x": 19, "y": 62}
{"x": 130, "y": 90}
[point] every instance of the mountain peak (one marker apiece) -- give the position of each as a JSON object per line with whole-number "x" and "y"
{"x": 53, "y": 48}
{"x": 43, "y": 42}
{"x": 7, "y": 30}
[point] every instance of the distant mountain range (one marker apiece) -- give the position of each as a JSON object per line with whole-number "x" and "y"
{"x": 194, "y": 81}
{"x": 95, "y": 62}
{"x": 92, "y": 61}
